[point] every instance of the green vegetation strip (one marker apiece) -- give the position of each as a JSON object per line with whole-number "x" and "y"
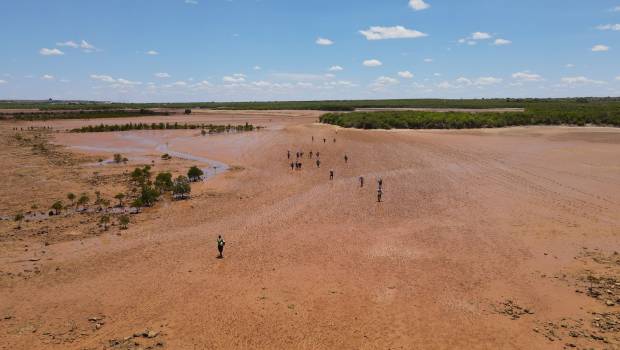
{"x": 530, "y": 104}
{"x": 89, "y": 114}
{"x": 462, "y": 120}
{"x": 165, "y": 126}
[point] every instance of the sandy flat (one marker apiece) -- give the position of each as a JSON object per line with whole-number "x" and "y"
{"x": 469, "y": 219}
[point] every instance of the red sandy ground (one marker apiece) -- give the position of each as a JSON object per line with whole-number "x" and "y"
{"x": 469, "y": 219}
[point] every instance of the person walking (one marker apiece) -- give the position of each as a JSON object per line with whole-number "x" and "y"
{"x": 331, "y": 174}
{"x": 220, "y": 246}
{"x": 346, "y": 158}
{"x": 379, "y": 194}
{"x": 380, "y": 182}
{"x": 318, "y": 154}
{"x": 324, "y": 140}
{"x": 361, "y": 181}
{"x": 310, "y": 155}
{"x": 292, "y": 166}
{"x": 318, "y": 163}
{"x": 288, "y": 154}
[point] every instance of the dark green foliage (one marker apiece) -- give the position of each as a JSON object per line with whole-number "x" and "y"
{"x": 188, "y": 111}
{"x": 118, "y": 158}
{"x": 530, "y": 104}
{"x": 181, "y": 187}
{"x": 194, "y": 173}
{"x": 83, "y": 200}
{"x": 141, "y": 175}
{"x": 165, "y": 126}
{"x": 464, "y": 120}
{"x": 163, "y": 182}
{"x": 85, "y": 114}
{"x": 148, "y": 195}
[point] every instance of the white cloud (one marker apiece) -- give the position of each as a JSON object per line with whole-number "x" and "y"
{"x": 569, "y": 65}
{"x": 600, "y": 48}
{"x": 580, "y": 80}
{"x": 527, "y": 76}
{"x": 396, "y": 32}
{"x": 257, "y": 68}
{"x": 418, "y": 5}
{"x": 428, "y": 60}
{"x": 405, "y": 74}
{"x": 179, "y": 83}
{"x": 324, "y": 42}
{"x": 383, "y": 82}
{"x": 616, "y": 9}
{"x": 191, "y": 2}
{"x": 335, "y": 69}
{"x": 47, "y": 77}
{"x": 301, "y": 76}
{"x": 69, "y": 43}
{"x": 445, "y": 85}
{"x": 104, "y": 78}
{"x": 464, "y": 81}
{"x": 372, "y": 63}
{"x": 480, "y": 36}
{"x": 476, "y": 36}
{"x": 152, "y": 53}
{"x": 618, "y": 77}
{"x": 87, "y": 47}
{"x": 127, "y": 82}
{"x": 614, "y": 27}
{"x": 235, "y": 78}
{"x": 51, "y": 52}
{"x": 162, "y": 75}
{"x": 500, "y": 42}
{"x": 3, "y": 81}
{"x": 487, "y": 81}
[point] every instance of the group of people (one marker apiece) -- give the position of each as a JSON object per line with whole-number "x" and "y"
{"x": 296, "y": 165}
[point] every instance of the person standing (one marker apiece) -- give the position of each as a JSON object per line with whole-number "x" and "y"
{"x": 361, "y": 181}
{"x": 318, "y": 154}
{"x": 288, "y": 154}
{"x": 379, "y": 194}
{"x": 346, "y": 158}
{"x": 380, "y": 182}
{"x": 331, "y": 174}
{"x": 292, "y": 166}
{"x": 318, "y": 163}
{"x": 220, "y": 246}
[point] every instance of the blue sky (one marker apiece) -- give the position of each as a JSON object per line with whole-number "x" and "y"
{"x": 250, "y": 50}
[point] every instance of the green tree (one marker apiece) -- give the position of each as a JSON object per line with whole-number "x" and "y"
{"x": 149, "y": 195}
{"x": 57, "y": 206}
{"x": 163, "y": 182}
{"x": 123, "y": 221}
{"x": 203, "y": 132}
{"x": 181, "y": 187}
{"x": 71, "y": 197}
{"x": 120, "y": 196}
{"x": 83, "y": 200}
{"x": 188, "y": 111}
{"x": 194, "y": 173}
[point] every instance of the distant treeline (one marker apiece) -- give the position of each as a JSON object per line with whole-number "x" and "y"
{"x": 86, "y": 114}
{"x": 530, "y": 104}
{"x": 165, "y": 126}
{"x": 464, "y": 120}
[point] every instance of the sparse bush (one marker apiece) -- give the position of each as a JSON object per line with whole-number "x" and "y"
{"x": 71, "y": 197}
{"x": 105, "y": 219}
{"x": 57, "y": 207}
{"x": 120, "y": 196}
{"x": 118, "y": 158}
{"x": 83, "y": 200}
{"x": 19, "y": 217}
{"x": 188, "y": 111}
{"x": 123, "y": 221}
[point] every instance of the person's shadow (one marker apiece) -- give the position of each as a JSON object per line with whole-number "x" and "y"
{"x": 219, "y": 257}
